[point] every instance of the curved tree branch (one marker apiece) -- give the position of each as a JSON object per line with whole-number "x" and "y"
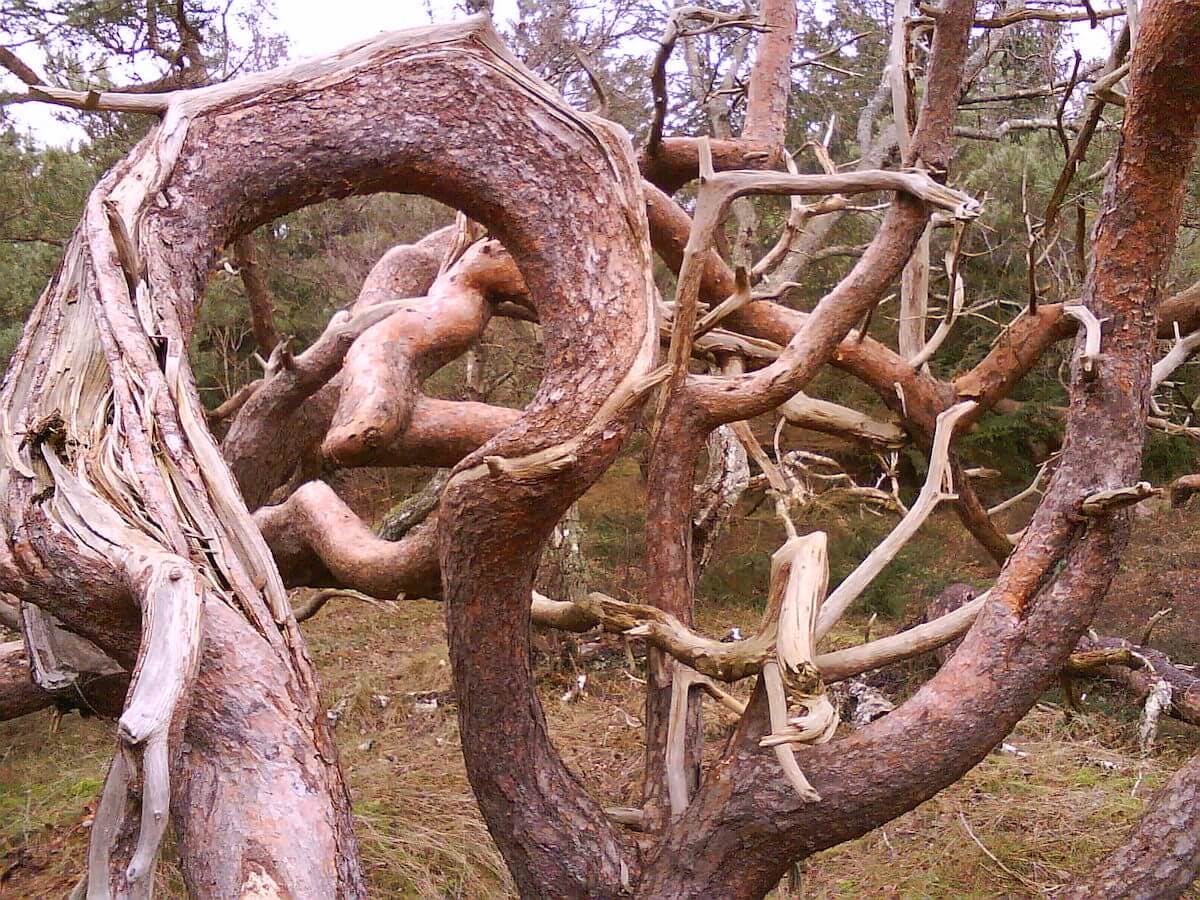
{"x": 1047, "y": 590}
{"x": 153, "y": 480}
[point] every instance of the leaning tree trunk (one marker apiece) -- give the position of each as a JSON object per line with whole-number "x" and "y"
{"x": 746, "y": 825}
{"x": 126, "y": 528}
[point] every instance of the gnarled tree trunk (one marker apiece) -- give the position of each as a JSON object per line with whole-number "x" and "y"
{"x": 126, "y": 526}
{"x": 129, "y": 529}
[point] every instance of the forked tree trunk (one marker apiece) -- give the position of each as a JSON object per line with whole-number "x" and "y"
{"x": 127, "y": 527}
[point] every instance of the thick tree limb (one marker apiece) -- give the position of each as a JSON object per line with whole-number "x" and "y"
{"x": 689, "y": 414}
{"x": 318, "y": 541}
{"x": 726, "y": 400}
{"x": 386, "y": 364}
{"x": 731, "y": 661}
{"x": 1046, "y": 591}
{"x": 298, "y": 398}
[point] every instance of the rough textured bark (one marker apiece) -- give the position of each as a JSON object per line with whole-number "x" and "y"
{"x": 745, "y": 826}
{"x": 268, "y": 820}
{"x": 318, "y": 541}
{"x": 676, "y": 161}
{"x": 467, "y": 125}
{"x": 771, "y": 77}
{"x": 123, "y": 519}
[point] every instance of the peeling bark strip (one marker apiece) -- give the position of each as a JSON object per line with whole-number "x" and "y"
{"x": 112, "y": 482}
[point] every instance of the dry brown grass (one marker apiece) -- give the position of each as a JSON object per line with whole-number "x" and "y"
{"x": 1044, "y": 817}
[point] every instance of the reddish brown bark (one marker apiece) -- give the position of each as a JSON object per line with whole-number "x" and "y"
{"x": 729, "y": 399}
{"x": 671, "y": 574}
{"x": 254, "y": 786}
{"x": 554, "y": 837}
{"x": 771, "y": 77}
{"x": 586, "y": 264}
{"x": 1018, "y": 349}
{"x": 384, "y": 419}
{"x": 18, "y": 694}
{"x": 262, "y": 307}
{"x": 746, "y": 825}
{"x": 386, "y": 364}
{"x": 676, "y": 161}
{"x": 443, "y": 432}
{"x": 671, "y": 163}
{"x": 467, "y": 126}
{"x": 299, "y": 399}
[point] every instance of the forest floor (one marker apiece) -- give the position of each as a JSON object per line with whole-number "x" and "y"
{"x": 1026, "y": 820}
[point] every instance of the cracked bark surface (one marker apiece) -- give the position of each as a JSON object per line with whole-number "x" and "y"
{"x": 225, "y": 160}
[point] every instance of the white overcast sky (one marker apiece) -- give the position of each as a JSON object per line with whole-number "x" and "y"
{"x": 316, "y": 27}
{"x": 313, "y": 27}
